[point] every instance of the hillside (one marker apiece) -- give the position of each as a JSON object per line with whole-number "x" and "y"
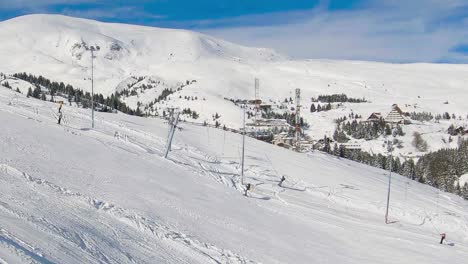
{"x": 146, "y": 60}
{"x": 71, "y": 194}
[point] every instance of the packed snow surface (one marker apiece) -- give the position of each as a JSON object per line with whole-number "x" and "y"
{"x": 72, "y": 194}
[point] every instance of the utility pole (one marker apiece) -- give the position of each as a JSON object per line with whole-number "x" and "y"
{"x": 244, "y": 103}
{"x": 257, "y": 99}
{"x": 243, "y": 149}
{"x": 173, "y": 125}
{"x": 390, "y": 149}
{"x": 93, "y": 49}
{"x": 92, "y": 86}
{"x": 170, "y": 121}
{"x": 298, "y": 119}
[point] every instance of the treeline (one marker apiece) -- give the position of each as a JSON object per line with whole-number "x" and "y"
{"x": 191, "y": 113}
{"x": 364, "y": 130}
{"x": 104, "y": 104}
{"x": 440, "y": 169}
{"x": 421, "y": 116}
{"x": 446, "y": 116}
{"x": 338, "y": 98}
{"x": 427, "y": 116}
{"x": 320, "y": 108}
{"x": 289, "y": 117}
{"x": 406, "y": 168}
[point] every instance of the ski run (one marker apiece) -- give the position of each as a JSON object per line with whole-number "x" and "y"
{"x": 72, "y": 194}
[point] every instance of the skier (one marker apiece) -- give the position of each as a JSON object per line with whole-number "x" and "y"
{"x": 247, "y": 188}
{"x": 442, "y": 238}
{"x": 60, "y": 113}
{"x": 281, "y": 181}
{"x": 60, "y": 118}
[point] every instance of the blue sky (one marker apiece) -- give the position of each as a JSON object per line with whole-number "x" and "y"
{"x": 380, "y": 30}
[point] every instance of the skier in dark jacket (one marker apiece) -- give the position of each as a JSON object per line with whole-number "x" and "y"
{"x": 60, "y": 118}
{"x": 281, "y": 181}
{"x": 247, "y": 188}
{"x": 60, "y": 115}
{"x": 442, "y": 238}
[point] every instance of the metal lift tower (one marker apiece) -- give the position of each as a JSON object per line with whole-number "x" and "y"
{"x": 298, "y": 119}
{"x": 257, "y": 99}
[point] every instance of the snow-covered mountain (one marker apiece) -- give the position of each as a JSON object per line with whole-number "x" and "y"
{"x": 59, "y": 47}
{"x": 71, "y": 194}
{"x": 132, "y": 57}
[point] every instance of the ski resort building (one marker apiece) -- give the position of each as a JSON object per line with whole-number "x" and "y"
{"x": 351, "y": 145}
{"x": 283, "y": 140}
{"x": 396, "y": 116}
{"x": 459, "y": 131}
{"x": 270, "y": 123}
{"x": 374, "y": 117}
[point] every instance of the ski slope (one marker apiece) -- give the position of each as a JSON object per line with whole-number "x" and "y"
{"x": 71, "y": 194}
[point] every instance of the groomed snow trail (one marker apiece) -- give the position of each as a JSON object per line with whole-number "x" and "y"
{"x": 70, "y": 194}
{"x": 86, "y": 236}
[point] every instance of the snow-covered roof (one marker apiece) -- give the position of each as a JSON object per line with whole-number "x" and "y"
{"x": 396, "y": 115}
{"x": 374, "y": 116}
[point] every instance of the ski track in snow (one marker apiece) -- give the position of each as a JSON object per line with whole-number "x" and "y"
{"x": 206, "y": 165}
{"x": 130, "y": 218}
{"x": 109, "y": 243}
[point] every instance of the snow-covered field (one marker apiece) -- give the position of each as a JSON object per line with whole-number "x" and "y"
{"x": 71, "y": 194}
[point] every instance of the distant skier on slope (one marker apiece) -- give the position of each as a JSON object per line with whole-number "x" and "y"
{"x": 60, "y": 115}
{"x": 442, "y": 238}
{"x": 281, "y": 181}
{"x": 247, "y": 188}
{"x": 59, "y": 118}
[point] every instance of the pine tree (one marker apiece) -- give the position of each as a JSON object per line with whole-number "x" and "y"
{"x": 138, "y": 112}
{"x": 388, "y": 130}
{"x": 36, "y": 93}
{"x": 451, "y": 130}
{"x": 312, "y": 108}
{"x": 446, "y": 116}
{"x": 458, "y": 190}
{"x": 336, "y": 151}
{"x": 464, "y": 191}
{"x": 326, "y": 145}
{"x": 335, "y": 135}
{"x": 342, "y": 151}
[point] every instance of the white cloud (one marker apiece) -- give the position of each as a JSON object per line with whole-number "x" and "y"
{"x": 416, "y": 31}
{"x": 111, "y": 13}
{"x": 33, "y": 4}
